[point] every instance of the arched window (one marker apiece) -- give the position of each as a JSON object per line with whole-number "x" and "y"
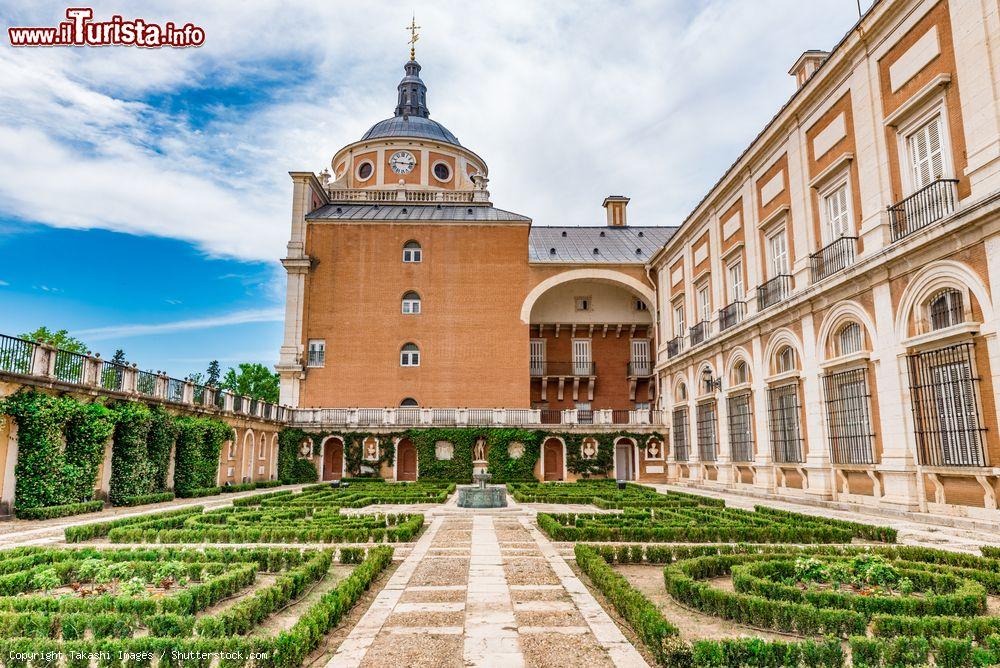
{"x": 945, "y": 309}
{"x": 408, "y": 402}
{"x": 741, "y": 374}
{"x": 784, "y": 361}
{"x": 412, "y": 252}
{"x": 849, "y": 339}
{"x": 409, "y": 355}
{"x": 682, "y": 392}
{"x": 411, "y": 303}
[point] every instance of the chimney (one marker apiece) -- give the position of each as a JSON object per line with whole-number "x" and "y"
{"x": 615, "y": 206}
{"x": 807, "y": 63}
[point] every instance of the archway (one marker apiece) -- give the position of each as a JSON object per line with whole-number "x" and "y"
{"x": 552, "y": 456}
{"x": 333, "y": 459}
{"x": 406, "y": 461}
{"x": 624, "y": 460}
{"x": 248, "y": 452}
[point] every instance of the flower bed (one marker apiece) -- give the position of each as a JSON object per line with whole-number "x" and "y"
{"x": 79, "y": 602}
{"x": 685, "y": 523}
{"x": 896, "y": 606}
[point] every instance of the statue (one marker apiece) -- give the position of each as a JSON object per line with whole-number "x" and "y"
{"x": 479, "y": 450}
{"x": 589, "y": 449}
{"x": 371, "y": 449}
{"x": 653, "y": 450}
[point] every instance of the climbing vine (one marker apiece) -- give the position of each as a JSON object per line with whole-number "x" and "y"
{"x": 291, "y": 468}
{"x": 140, "y": 458}
{"x": 60, "y": 447}
{"x": 603, "y": 463}
{"x": 354, "y": 451}
{"x": 196, "y": 456}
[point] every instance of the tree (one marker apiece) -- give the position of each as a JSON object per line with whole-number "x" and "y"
{"x": 119, "y": 357}
{"x": 198, "y": 378}
{"x": 252, "y": 380}
{"x": 214, "y": 373}
{"x": 60, "y": 339}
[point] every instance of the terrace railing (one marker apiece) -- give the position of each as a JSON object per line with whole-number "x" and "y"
{"x": 70, "y": 367}
{"x": 928, "y": 205}
{"x": 699, "y": 332}
{"x": 832, "y": 258}
{"x": 16, "y": 354}
{"x": 675, "y": 346}
{"x": 731, "y": 315}
{"x": 774, "y": 291}
{"x": 562, "y": 369}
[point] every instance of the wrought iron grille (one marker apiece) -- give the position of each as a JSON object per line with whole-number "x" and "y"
{"x": 774, "y": 291}
{"x": 832, "y": 258}
{"x": 220, "y": 398}
{"x": 675, "y": 346}
{"x": 175, "y": 390}
{"x": 946, "y": 309}
{"x": 680, "y": 429}
{"x": 16, "y": 354}
{"x": 112, "y": 375}
{"x": 732, "y": 315}
{"x": 708, "y": 433}
{"x": 848, "y": 417}
{"x": 929, "y": 204}
{"x": 784, "y": 411}
{"x": 699, "y": 332}
{"x": 70, "y": 366}
{"x": 198, "y": 396}
{"x": 145, "y": 383}
{"x": 740, "y": 427}
{"x": 946, "y": 418}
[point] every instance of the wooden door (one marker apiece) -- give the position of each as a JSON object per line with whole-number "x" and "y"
{"x": 553, "y": 460}
{"x": 406, "y": 461}
{"x": 333, "y": 459}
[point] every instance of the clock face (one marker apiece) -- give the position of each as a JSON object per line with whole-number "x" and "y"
{"x": 402, "y": 162}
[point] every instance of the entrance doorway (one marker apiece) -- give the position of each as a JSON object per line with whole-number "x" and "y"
{"x": 624, "y": 466}
{"x": 333, "y": 459}
{"x": 553, "y": 455}
{"x": 406, "y": 461}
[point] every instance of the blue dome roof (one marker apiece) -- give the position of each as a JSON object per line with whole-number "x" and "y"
{"x": 411, "y": 119}
{"x": 411, "y": 126}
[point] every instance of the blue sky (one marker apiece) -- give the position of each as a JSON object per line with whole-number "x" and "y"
{"x": 144, "y": 196}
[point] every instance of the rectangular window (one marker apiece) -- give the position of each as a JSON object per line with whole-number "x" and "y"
{"x": 317, "y": 352}
{"x": 679, "y": 320}
{"x": 946, "y": 416}
{"x": 736, "y": 281}
{"x": 926, "y": 153}
{"x": 704, "y": 303}
{"x": 708, "y": 435}
{"x": 640, "y": 357}
{"x": 837, "y": 214}
{"x": 537, "y": 357}
{"x": 777, "y": 245}
{"x": 848, "y": 417}
{"x": 582, "y": 364}
{"x": 786, "y": 430}
{"x": 680, "y": 433}
{"x": 582, "y": 303}
{"x": 740, "y": 427}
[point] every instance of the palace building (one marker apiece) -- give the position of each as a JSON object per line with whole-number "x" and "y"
{"x": 821, "y": 326}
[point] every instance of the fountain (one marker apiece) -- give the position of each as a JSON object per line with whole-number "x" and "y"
{"x": 482, "y": 495}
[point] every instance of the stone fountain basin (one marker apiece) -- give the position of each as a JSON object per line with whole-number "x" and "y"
{"x": 484, "y": 496}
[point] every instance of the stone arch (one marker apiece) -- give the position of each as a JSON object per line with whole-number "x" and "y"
{"x": 703, "y": 366}
{"x": 249, "y": 452}
{"x": 679, "y": 388}
{"x": 332, "y": 457}
{"x": 782, "y": 337}
{"x": 553, "y": 459}
{"x": 837, "y": 317}
{"x": 738, "y": 354}
{"x": 605, "y": 275}
{"x": 935, "y": 277}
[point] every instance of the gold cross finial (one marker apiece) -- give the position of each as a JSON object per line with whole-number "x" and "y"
{"x": 413, "y": 28}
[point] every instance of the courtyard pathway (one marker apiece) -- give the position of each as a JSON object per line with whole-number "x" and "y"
{"x": 485, "y": 588}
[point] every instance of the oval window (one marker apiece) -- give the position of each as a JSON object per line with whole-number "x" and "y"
{"x": 365, "y": 170}
{"x": 442, "y": 172}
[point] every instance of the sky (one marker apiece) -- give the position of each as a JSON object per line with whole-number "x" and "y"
{"x": 144, "y": 193}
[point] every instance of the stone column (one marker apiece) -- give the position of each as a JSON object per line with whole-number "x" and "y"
{"x": 819, "y": 471}
{"x": 764, "y": 477}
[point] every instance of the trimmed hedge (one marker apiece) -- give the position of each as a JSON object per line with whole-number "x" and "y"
{"x": 145, "y": 499}
{"x": 78, "y": 534}
{"x": 65, "y": 510}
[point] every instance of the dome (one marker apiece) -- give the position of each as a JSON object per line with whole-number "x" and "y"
{"x": 411, "y": 119}
{"x": 411, "y": 126}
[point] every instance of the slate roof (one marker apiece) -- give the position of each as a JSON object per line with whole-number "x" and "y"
{"x": 614, "y": 245}
{"x": 414, "y": 212}
{"x": 412, "y": 126}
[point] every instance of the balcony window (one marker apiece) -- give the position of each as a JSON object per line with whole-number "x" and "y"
{"x": 848, "y": 417}
{"x": 704, "y": 303}
{"x": 777, "y": 246}
{"x": 411, "y": 303}
{"x": 784, "y": 423}
{"x": 736, "y": 290}
{"x": 316, "y": 353}
{"x": 640, "y": 366}
{"x": 837, "y": 213}
{"x": 946, "y": 414}
{"x": 925, "y": 150}
{"x": 740, "y": 427}
{"x": 679, "y": 320}
{"x": 945, "y": 309}
{"x": 708, "y": 435}
{"x": 409, "y": 355}
{"x": 536, "y": 357}
{"x": 412, "y": 252}
{"x": 931, "y": 195}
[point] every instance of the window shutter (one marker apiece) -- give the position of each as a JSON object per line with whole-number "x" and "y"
{"x": 934, "y": 149}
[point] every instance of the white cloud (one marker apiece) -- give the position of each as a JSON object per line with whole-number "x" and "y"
{"x": 129, "y": 330}
{"x": 566, "y": 102}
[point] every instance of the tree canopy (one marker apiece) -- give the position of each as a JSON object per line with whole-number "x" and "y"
{"x": 252, "y": 380}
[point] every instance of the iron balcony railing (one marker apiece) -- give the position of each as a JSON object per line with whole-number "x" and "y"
{"x": 928, "y": 205}
{"x": 16, "y": 354}
{"x": 113, "y": 376}
{"x": 198, "y": 394}
{"x": 70, "y": 367}
{"x": 175, "y": 390}
{"x": 774, "y": 291}
{"x": 675, "y": 346}
{"x": 639, "y": 369}
{"x": 832, "y": 258}
{"x": 732, "y": 315}
{"x": 698, "y": 333}
{"x": 145, "y": 383}
{"x": 565, "y": 369}
{"x": 220, "y": 398}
